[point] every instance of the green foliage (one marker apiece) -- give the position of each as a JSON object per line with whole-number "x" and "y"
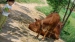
{"x": 73, "y": 14}
{"x": 45, "y": 9}
{"x": 30, "y": 1}
{"x": 2, "y": 1}
{"x": 68, "y": 33}
{"x": 24, "y": 1}
{"x": 57, "y": 4}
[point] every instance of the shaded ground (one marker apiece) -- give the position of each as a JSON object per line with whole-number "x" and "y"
{"x": 16, "y": 27}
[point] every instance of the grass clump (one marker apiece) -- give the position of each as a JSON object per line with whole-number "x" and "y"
{"x": 30, "y": 1}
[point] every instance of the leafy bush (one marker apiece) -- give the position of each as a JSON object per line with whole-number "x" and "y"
{"x": 57, "y": 4}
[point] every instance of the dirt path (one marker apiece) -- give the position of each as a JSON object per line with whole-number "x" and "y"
{"x": 16, "y": 27}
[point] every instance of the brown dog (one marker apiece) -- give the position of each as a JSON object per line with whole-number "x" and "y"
{"x": 44, "y": 26}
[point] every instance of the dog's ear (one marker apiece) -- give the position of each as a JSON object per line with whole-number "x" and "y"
{"x": 36, "y": 19}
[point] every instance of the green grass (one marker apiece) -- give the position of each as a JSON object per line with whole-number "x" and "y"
{"x": 46, "y": 9}
{"x": 30, "y": 1}
{"x": 73, "y": 14}
{"x": 69, "y": 28}
{"x": 26, "y": 1}
{"x": 67, "y": 33}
